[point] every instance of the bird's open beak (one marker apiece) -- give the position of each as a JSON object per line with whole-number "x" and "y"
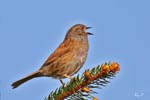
{"x": 89, "y": 32}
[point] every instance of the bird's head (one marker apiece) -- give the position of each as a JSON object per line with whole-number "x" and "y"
{"x": 78, "y": 30}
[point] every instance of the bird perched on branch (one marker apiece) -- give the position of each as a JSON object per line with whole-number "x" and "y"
{"x": 67, "y": 59}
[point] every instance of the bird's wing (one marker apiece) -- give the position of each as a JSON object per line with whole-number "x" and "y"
{"x": 62, "y": 50}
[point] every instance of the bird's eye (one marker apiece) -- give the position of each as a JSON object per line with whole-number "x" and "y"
{"x": 79, "y": 32}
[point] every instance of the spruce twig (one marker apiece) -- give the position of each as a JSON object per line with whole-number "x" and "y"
{"x": 82, "y": 88}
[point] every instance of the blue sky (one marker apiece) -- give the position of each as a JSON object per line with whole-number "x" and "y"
{"x": 30, "y": 30}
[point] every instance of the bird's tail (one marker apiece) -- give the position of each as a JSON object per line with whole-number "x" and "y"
{"x": 21, "y": 81}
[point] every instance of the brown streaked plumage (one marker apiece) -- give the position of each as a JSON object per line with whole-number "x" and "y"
{"x": 67, "y": 59}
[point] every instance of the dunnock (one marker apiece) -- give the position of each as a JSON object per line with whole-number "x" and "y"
{"x": 67, "y": 59}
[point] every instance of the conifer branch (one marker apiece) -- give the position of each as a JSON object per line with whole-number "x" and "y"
{"x": 82, "y": 88}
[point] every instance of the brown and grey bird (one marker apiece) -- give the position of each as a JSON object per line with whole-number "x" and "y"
{"x": 67, "y": 59}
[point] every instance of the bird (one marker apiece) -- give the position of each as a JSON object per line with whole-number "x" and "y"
{"x": 67, "y": 59}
